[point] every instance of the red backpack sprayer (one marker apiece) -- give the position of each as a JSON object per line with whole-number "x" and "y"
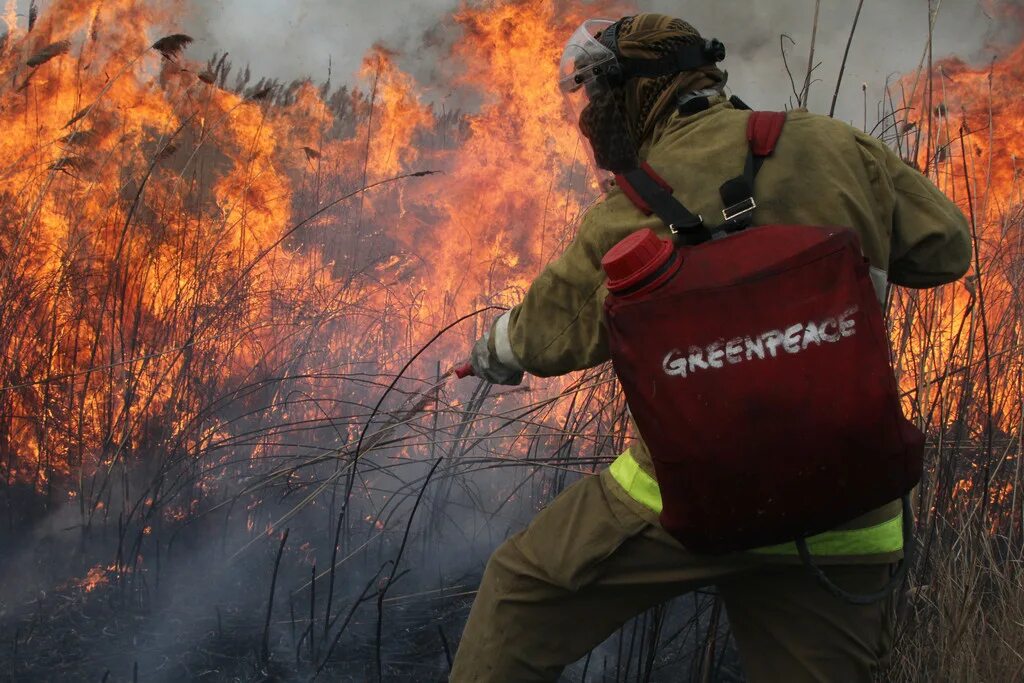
{"x": 755, "y": 363}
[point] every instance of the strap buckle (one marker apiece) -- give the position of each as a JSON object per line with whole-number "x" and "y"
{"x": 737, "y": 210}
{"x": 675, "y": 230}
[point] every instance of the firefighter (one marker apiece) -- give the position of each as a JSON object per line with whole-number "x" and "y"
{"x": 597, "y": 556}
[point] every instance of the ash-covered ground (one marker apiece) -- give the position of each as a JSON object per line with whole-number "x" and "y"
{"x": 198, "y": 610}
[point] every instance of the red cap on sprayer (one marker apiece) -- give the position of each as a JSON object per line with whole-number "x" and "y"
{"x": 634, "y": 259}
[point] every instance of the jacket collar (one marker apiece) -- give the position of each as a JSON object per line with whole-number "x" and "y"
{"x": 685, "y": 115}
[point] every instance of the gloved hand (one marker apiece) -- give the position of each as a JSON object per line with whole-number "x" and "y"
{"x": 487, "y": 366}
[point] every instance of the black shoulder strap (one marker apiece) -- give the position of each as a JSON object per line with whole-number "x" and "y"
{"x": 652, "y": 195}
{"x": 763, "y": 131}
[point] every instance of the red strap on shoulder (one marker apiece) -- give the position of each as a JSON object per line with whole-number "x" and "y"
{"x": 763, "y": 131}
{"x": 656, "y": 178}
{"x": 634, "y": 196}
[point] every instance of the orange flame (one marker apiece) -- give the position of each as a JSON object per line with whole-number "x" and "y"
{"x": 172, "y": 251}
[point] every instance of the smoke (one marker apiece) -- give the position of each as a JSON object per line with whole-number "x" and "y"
{"x": 286, "y": 40}
{"x": 890, "y": 40}
{"x": 297, "y": 38}
{"x": 290, "y": 39}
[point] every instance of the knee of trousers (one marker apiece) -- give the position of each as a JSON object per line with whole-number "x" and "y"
{"x": 514, "y": 575}
{"x": 506, "y": 568}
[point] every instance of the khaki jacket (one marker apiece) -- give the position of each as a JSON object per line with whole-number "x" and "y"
{"x": 823, "y": 172}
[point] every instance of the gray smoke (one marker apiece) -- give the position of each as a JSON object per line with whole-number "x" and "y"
{"x": 289, "y": 39}
{"x": 296, "y": 38}
{"x": 890, "y": 41}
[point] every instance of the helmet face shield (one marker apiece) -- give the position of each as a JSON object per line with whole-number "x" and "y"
{"x": 585, "y": 58}
{"x": 593, "y": 104}
{"x": 616, "y": 98}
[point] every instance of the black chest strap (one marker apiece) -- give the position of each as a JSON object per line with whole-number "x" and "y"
{"x": 652, "y": 195}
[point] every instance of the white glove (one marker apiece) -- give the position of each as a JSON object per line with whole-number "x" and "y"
{"x": 487, "y": 366}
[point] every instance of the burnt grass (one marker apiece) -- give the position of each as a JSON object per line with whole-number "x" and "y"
{"x": 196, "y": 614}
{"x": 64, "y": 637}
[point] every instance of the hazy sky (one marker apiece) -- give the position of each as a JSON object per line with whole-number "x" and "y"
{"x": 291, "y": 38}
{"x": 295, "y": 38}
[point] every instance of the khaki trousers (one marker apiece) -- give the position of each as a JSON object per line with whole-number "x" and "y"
{"x": 590, "y": 561}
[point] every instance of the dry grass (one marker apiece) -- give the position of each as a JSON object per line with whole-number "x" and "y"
{"x": 965, "y": 621}
{"x": 958, "y": 357}
{"x": 185, "y": 373}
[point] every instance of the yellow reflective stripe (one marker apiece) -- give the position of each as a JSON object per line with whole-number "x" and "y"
{"x": 886, "y": 537}
{"x": 641, "y": 487}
